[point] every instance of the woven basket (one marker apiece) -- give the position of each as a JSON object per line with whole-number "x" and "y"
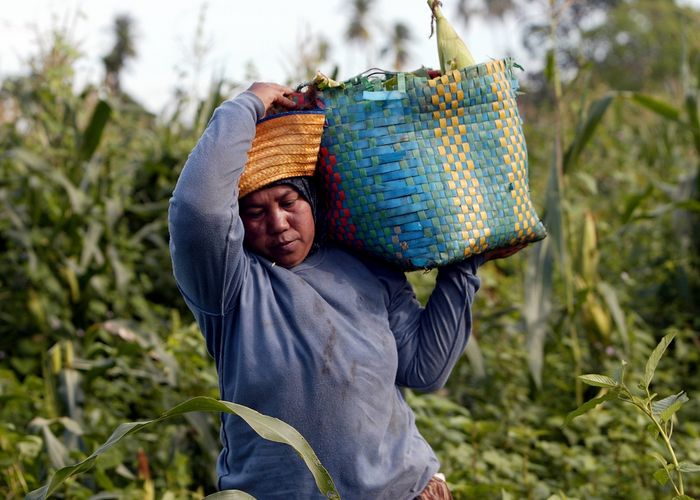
{"x": 424, "y": 172}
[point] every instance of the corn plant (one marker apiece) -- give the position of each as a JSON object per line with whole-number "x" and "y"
{"x": 268, "y": 427}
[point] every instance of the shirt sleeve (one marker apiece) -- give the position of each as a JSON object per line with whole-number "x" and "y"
{"x": 206, "y": 232}
{"x": 430, "y": 340}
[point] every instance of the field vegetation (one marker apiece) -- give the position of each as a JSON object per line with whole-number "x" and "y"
{"x": 94, "y": 334}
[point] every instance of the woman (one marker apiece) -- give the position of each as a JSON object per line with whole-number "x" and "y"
{"x": 311, "y": 334}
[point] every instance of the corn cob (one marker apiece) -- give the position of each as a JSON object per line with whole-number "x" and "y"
{"x": 452, "y": 51}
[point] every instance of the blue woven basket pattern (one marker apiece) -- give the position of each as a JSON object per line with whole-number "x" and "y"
{"x": 430, "y": 171}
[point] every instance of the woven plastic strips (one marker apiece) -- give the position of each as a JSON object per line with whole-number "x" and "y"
{"x": 430, "y": 171}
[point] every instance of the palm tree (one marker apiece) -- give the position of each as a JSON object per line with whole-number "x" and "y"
{"x": 121, "y": 52}
{"x": 493, "y": 9}
{"x": 399, "y": 37}
{"x": 358, "y": 31}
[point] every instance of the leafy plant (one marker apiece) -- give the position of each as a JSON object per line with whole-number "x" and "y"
{"x": 660, "y": 413}
{"x": 93, "y": 331}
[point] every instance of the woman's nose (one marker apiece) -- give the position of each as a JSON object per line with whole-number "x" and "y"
{"x": 278, "y": 221}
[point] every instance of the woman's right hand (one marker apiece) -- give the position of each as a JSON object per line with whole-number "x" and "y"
{"x": 273, "y": 93}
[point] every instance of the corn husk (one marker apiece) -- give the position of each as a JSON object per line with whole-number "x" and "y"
{"x": 452, "y": 50}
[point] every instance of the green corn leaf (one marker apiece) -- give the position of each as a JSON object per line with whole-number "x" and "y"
{"x": 91, "y": 247}
{"x": 537, "y": 305}
{"x": 598, "y": 380}
{"x": 95, "y": 127}
{"x": 229, "y": 495}
{"x": 41, "y": 167}
{"x": 691, "y": 108}
{"x": 71, "y": 425}
{"x": 688, "y": 467}
{"x": 654, "y": 359}
{"x": 590, "y": 404}
{"x": 661, "y": 108}
{"x": 589, "y": 249}
{"x": 550, "y": 67}
{"x": 452, "y": 51}
{"x": 58, "y": 453}
{"x": 122, "y": 273}
{"x": 268, "y": 427}
{"x": 476, "y": 358}
{"x": 688, "y": 205}
{"x": 665, "y": 408}
{"x": 610, "y": 296}
{"x": 633, "y": 202}
{"x": 585, "y": 130}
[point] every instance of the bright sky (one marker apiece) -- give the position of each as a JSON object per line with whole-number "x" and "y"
{"x": 236, "y": 32}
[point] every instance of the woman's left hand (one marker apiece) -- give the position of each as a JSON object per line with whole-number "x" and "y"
{"x": 273, "y": 93}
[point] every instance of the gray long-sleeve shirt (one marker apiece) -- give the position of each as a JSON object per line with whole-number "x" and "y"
{"x": 323, "y": 346}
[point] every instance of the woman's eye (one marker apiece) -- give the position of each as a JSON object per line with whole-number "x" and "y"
{"x": 287, "y": 203}
{"x": 253, "y": 214}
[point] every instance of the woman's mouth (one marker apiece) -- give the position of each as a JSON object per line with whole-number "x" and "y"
{"x": 285, "y": 246}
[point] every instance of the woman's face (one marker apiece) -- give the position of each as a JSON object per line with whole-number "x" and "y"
{"x": 279, "y": 224}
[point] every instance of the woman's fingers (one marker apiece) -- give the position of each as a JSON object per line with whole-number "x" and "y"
{"x": 273, "y": 93}
{"x": 502, "y": 253}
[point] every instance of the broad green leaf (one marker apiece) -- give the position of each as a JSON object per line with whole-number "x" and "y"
{"x": 654, "y": 359}
{"x": 598, "y": 380}
{"x": 93, "y": 132}
{"x": 268, "y": 427}
{"x": 586, "y": 129}
{"x": 652, "y": 430}
{"x": 665, "y": 408}
{"x": 505, "y": 495}
{"x": 659, "y": 458}
{"x": 688, "y": 467}
{"x": 229, "y": 495}
{"x": 589, "y": 405}
{"x": 661, "y": 476}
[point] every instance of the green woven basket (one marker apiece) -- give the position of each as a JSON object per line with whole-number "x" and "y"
{"x": 424, "y": 172}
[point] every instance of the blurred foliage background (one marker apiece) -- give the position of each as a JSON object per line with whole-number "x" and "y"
{"x": 93, "y": 331}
